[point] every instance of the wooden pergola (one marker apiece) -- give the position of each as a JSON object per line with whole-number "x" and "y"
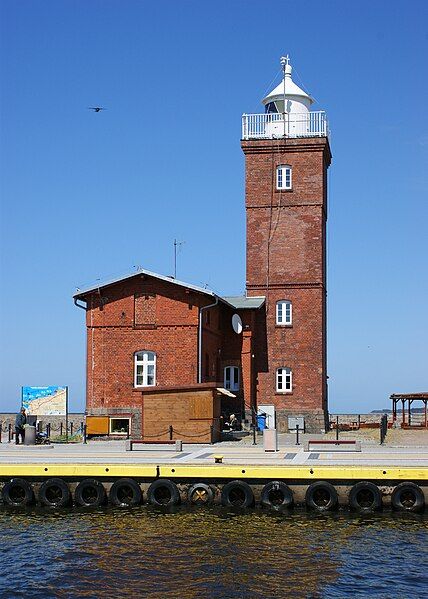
{"x": 406, "y": 406}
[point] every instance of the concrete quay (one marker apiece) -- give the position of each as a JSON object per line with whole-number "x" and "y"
{"x": 92, "y": 474}
{"x": 241, "y": 452}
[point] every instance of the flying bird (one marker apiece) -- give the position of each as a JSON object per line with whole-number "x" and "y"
{"x": 96, "y": 108}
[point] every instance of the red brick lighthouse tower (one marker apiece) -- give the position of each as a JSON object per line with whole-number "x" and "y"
{"x": 287, "y": 156}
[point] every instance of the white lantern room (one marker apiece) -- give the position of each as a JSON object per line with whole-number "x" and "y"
{"x": 291, "y": 105}
{"x": 287, "y": 112}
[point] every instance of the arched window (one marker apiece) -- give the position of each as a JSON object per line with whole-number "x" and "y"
{"x": 283, "y": 176}
{"x": 284, "y": 312}
{"x": 144, "y": 368}
{"x": 231, "y": 378}
{"x": 284, "y": 380}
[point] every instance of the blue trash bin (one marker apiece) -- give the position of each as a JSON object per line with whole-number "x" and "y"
{"x": 261, "y": 422}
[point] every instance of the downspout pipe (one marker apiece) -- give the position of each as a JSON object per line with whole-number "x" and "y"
{"x": 76, "y": 299}
{"x": 200, "y": 336}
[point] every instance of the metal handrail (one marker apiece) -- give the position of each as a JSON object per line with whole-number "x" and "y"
{"x": 277, "y": 125}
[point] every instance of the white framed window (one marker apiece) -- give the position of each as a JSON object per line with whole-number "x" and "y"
{"x": 284, "y": 312}
{"x": 231, "y": 378}
{"x": 120, "y": 426}
{"x": 144, "y": 368}
{"x": 284, "y": 380}
{"x": 283, "y": 177}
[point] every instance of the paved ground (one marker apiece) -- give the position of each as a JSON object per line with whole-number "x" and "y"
{"x": 404, "y": 448}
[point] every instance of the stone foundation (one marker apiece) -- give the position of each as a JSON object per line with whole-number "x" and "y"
{"x": 134, "y": 413}
{"x": 315, "y": 422}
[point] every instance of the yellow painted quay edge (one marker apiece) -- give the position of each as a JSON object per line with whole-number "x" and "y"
{"x": 214, "y": 472}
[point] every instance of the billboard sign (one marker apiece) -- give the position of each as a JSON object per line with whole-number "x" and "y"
{"x": 45, "y": 401}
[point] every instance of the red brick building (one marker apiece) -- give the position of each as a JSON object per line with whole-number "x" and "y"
{"x": 146, "y": 329}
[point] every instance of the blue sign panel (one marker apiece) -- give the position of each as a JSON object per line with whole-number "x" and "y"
{"x": 45, "y": 401}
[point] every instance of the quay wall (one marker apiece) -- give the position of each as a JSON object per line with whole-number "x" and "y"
{"x": 231, "y": 485}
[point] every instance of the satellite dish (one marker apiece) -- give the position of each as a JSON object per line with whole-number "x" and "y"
{"x": 237, "y": 324}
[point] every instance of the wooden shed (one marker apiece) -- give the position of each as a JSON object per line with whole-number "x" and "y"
{"x": 191, "y": 414}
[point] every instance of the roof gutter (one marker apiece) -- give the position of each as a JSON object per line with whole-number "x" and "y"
{"x": 76, "y": 299}
{"x": 200, "y": 336}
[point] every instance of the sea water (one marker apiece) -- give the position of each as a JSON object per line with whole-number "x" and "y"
{"x": 211, "y": 552}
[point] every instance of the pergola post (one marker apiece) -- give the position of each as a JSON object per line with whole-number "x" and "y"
{"x": 409, "y": 398}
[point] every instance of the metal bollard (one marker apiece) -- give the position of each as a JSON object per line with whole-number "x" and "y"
{"x": 383, "y": 428}
{"x": 10, "y": 432}
{"x": 253, "y": 426}
{"x": 171, "y": 430}
{"x": 297, "y": 435}
{"x": 84, "y": 434}
{"x": 60, "y": 429}
{"x": 71, "y": 429}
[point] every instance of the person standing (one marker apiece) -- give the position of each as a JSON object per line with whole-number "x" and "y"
{"x": 20, "y": 420}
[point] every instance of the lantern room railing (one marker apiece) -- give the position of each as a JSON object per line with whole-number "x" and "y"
{"x": 274, "y": 125}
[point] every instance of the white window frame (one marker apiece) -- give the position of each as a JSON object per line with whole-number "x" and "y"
{"x": 284, "y": 380}
{"x": 232, "y": 382}
{"x": 144, "y": 358}
{"x": 112, "y": 418}
{"x": 284, "y": 177}
{"x": 284, "y": 312}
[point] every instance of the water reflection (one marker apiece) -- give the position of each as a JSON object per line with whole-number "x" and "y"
{"x": 211, "y": 553}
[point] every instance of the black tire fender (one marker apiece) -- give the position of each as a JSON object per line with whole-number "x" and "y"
{"x": 18, "y": 493}
{"x": 200, "y": 494}
{"x": 408, "y": 497}
{"x": 125, "y": 492}
{"x": 163, "y": 493}
{"x": 90, "y": 493}
{"x": 276, "y": 495}
{"x": 54, "y": 492}
{"x": 237, "y": 493}
{"x": 365, "y": 497}
{"x": 321, "y": 496}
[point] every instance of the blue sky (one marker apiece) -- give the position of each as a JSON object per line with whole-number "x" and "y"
{"x": 88, "y": 196}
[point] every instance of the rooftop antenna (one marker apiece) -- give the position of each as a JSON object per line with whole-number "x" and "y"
{"x": 177, "y": 247}
{"x": 286, "y": 69}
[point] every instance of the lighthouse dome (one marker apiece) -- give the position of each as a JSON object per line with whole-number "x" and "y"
{"x": 296, "y": 100}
